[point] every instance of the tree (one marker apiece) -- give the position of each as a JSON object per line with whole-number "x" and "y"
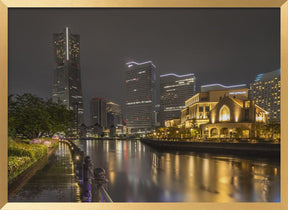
{"x": 272, "y": 129}
{"x": 194, "y": 128}
{"x": 31, "y": 117}
{"x": 259, "y": 128}
{"x": 61, "y": 119}
{"x": 238, "y": 132}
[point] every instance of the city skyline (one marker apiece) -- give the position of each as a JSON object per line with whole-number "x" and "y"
{"x": 211, "y": 49}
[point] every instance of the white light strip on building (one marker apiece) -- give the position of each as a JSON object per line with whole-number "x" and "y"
{"x": 171, "y": 86}
{"x": 237, "y": 93}
{"x": 176, "y": 75}
{"x": 232, "y": 86}
{"x": 139, "y": 102}
{"x": 177, "y": 108}
{"x": 130, "y": 80}
{"x": 133, "y": 62}
{"x": 67, "y": 44}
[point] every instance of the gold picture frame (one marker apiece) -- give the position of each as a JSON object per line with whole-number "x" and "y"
{"x": 6, "y": 4}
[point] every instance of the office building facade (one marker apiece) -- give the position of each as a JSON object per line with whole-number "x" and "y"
{"x": 174, "y": 91}
{"x": 67, "y": 74}
{"x": 114, "y": 116}
{"x": 141, "y": 96}
{"x": 98, "y": 113}
{"x": 265, "y": 91}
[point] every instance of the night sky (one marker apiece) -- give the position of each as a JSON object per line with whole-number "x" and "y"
{"x": 227, "y": 46}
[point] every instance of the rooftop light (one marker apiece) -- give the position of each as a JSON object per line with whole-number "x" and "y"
{"x": 232, "y": 86}
{"x": 133, "y": 62}
{"x": 176, "y": 75}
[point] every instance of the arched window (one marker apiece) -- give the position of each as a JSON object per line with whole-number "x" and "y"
{"x": 224, "y": 114}
{"x": 214, "y": 132}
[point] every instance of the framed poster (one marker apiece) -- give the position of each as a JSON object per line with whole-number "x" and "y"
{"x": 6, "y": 5}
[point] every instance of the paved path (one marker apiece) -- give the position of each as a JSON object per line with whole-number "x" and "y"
{"x": 54, "y": 183}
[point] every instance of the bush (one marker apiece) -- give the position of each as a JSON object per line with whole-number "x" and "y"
{"x": 22, "y": 155}
{"x": 16, "y": 165}
{"x": 34, "y": 151}
{"x": 18, "y": 149}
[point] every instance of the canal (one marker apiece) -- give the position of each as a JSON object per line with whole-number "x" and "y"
{"x": 138, "y": 173}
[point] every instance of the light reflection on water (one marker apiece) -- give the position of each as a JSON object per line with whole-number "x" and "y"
{"x": 137, "y": 173}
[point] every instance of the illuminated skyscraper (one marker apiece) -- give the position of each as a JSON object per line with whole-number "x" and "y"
{"x": 98, "y": 112}
{"x": 114, "y": 117}
{"x": 141, "y": 96}
{"x": 174, "y": 91}
{"x": 265, "y": 91}
{"x": 67, "y": 75}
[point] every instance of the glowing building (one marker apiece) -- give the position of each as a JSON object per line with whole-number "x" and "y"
{"x": 265, "y": 91}
{"x": 114, "y": 117}
{"x": 198, "y": 107}
{"x": 223, "y": 112}
{"x": 67, "y": 74}
{"x": 174, "y": 91}
{"x": 232, "y": 117}
{"x": 98, "y": 113}
{"x": 141, "y": 96}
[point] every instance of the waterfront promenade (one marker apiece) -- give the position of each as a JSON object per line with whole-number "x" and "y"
{"x": 221, "y": 147}
{"x": 55, "y": 182}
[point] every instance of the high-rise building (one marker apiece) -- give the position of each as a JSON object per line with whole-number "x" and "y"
{"x": 98, "y": 112}
{"x": 114, "y": 116}
{"x": 67, "y": 74}
{"x": 265, "y": 91}
{"x": 174, "y": 91}
{"x": 141, "y": 96}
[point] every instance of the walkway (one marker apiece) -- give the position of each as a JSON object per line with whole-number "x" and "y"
{"x": 54, "y": 183}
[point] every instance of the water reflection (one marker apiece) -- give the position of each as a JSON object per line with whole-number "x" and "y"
{"x": 138, "y": 173}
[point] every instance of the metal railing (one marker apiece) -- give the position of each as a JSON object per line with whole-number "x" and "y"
{"x": 92, "y": 182}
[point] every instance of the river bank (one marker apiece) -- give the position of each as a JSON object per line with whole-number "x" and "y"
{"x": 251, "y": 149}
{"x": 54, "y": 182}
{"x": 25, "y": 160}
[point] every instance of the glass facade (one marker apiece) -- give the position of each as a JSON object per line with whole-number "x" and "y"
{"x": 174, "y": 91}
{"x": 114, "y": 116}
{"x": 265, "y": 91}
{"x": 141, "y": 96}
{"x": 67, "y": 74}
{"x": 98, "y": 112}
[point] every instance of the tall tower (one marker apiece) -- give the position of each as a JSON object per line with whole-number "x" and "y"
{"x": 98, "y": 113}
{"x": 114, "y": 116}
{"x": 67, "y": 74}
{"x": 141, "y": 96}
{"x": 174, "y": 91}
{"x": 265, "y": 91}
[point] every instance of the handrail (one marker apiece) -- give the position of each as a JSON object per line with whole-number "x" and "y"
{"x": 106, "y": 195}
{"x": 84, "y": 173}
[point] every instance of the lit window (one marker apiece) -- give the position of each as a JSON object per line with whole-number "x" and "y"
{"x": 224, "y": 113}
